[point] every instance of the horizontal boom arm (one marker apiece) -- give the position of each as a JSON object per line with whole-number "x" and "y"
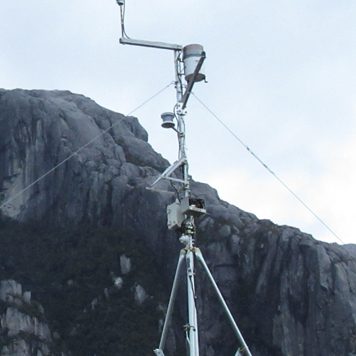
{"x": 152, "y": 44}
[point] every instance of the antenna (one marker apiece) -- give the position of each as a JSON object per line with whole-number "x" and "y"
{"x": 188, "y": 65}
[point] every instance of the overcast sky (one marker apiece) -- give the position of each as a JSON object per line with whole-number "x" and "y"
{"x": 281, "y": 74}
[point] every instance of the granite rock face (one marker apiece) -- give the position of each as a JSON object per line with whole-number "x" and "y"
{"x": 40, "y": 129}
{"x": 24, "y": 330}
{"x": 290, "y": 294}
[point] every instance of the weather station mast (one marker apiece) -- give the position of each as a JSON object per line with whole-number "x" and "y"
{"x": 188, "y": 62}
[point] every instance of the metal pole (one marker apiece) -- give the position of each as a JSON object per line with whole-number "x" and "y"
{"x": 192, "y": 312}
{"x": 187, "y": 237}
{"x": 171, "y": 302}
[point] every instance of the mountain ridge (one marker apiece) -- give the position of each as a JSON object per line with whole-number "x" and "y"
{"x": 290, "y": 294}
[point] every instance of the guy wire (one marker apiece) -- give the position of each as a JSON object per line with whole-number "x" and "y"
{"x": 16, "y": 195}
{"x": 254, "y": 155}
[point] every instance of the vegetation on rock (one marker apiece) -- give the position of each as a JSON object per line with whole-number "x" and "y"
{"x": 71, "y": 272}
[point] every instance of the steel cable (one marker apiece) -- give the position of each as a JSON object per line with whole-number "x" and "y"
{"x": 16, "y": 195}
{"x": 254, "y": 155}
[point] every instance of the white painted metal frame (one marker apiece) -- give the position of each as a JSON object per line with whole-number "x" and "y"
{"x": 190, "y": 251}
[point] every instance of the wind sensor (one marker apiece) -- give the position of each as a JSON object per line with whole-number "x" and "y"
{"x": 188, "y": 62}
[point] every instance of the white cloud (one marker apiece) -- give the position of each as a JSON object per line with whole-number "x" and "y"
{"x": 281, "y": 75}
{"x": 331, "y": 195}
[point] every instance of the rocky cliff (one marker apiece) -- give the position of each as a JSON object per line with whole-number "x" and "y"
{"x": 290, "y": 294}
{"x": 24, "y": 330}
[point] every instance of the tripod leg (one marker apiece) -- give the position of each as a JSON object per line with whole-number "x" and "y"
{"x": 172, "y": 298}
{"x": 239, "y": 336}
